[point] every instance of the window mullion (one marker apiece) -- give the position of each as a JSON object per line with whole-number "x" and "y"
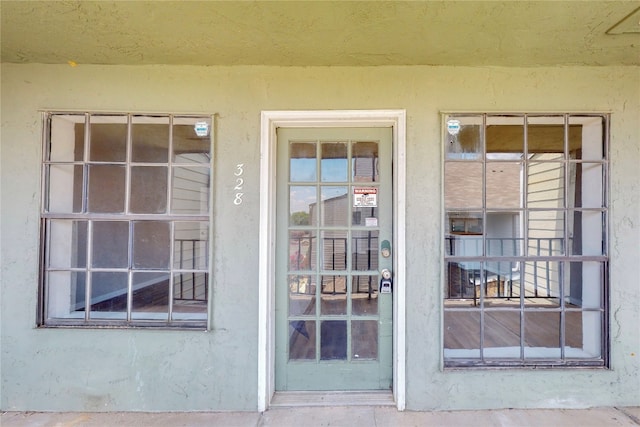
{"x": 130, "y": 271}
{"x": 87, "y": 296}
{"x": 127, "y": 176}
{"x": 170, "y": 167}
{"x": 525, "y": 231}
{"x": 127, "y": 198}
{"x": 85, "y": 163}
{"x": 171, "y": 264}
{"x": 564, "y": 264}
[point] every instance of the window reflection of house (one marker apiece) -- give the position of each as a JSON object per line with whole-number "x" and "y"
{"x": 521, "y": 214}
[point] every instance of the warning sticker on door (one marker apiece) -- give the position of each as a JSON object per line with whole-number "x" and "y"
{"x": 365, "y": 197}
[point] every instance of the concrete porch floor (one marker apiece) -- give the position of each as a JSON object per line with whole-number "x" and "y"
{"x": 358, "y": 416}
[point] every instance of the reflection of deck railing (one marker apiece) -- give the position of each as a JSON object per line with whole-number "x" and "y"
{"x": 192, "y": 286}
{"x": 463, "y": 245}
{"x": 502, "y": 279}
{"x": 364, "y": 258}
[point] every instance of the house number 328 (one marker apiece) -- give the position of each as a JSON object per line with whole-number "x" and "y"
{"x": 239, "y": 184}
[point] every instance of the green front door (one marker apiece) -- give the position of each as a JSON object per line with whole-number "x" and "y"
{"x": 334, "y": 228}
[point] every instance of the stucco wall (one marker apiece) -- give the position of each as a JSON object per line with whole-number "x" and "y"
{"x": 98, "y": 369}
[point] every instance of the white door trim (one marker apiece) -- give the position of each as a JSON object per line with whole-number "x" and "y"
{"x": 270, "y": 121}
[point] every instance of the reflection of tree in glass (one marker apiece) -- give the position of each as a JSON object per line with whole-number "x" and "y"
{"x": 300, "y": 218}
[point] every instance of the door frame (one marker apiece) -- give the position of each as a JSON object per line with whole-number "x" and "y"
{"x": 270, "y": 121}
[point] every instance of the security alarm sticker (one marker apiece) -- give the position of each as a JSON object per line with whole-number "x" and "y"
{"x": 201, "y": 128}
{"x": 365, "y": 197}
{"x": 453, "y": 127}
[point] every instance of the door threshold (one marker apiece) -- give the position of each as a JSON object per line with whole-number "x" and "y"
{"x": 283, "y": 399}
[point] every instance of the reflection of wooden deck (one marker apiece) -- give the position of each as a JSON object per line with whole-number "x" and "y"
{"x": 502, "y": 329}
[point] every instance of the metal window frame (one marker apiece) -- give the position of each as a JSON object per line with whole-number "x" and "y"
{"x": 565, "y": 258}
{"x": 42, "y": 318}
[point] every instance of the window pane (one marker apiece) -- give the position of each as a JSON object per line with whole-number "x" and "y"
{"x": 364, "y": 339}
{"x": 302, "y": 295}
{"x": 582, "y": 287}
{"x": 545, "y": 136}
{"x": 110, "y": 244}
{"x": 545, "y": 185}
{"x": 67, "y": 138}
{"x": 461, "y": 279}
{"x": 151, "y": 244}
{"x": 463, "y": 185}
{"x": 364, "y": 159}
{"x": 64, "y": 188}
{"x": 335, "y": 206}
{"x": 364, "y": 250}
{"x": 333, "y": 165}
{"x": 587, "y": 185}
{"x": 108, "y": 295}
{"x": 302, "y": 166}
{"x": 302, "y": 340}
{"x": 502, "y": 334}
{"x": 333, "y": 340}
{"x": 150, "y": 139}
{"x": 67, "y": 244}
{"x": 364, "y": 216}
{"x": 504, "y": 185}
{"x": 588, "y": 231}
{"x": 583, "y": 338}
{"x": 65, "y": 294}
{"x": 505, "y": 137}
{"x": 108, "y": 141}
{"x": 191, "y": 145}
{"x": 148, "y": 189}
{"x": 302, "y": 250}
{"x": 150, "y": 296}
{"x": 334, "y": 250}
{"x": 503, "y": 234}
{"x": 501, "y": 280}
{"x": 502, "y": 288}
{"x": 303, "y": 205}
{"x": 190, "y": 243}
{"x": 541, "y": 283}
{"x": 464, "y": 234}
{"x": 190, "y": 296}
{"x": 333, "y": 295}
{"x": 364, "y": 295}
{"x": 587, "y": 137}
{"x": 541, "y": 334}
{"x": 461, "y": 334}
{"x": 190, "y": 190}
{"x": 106, "y": 189}
{"x": 546, "y": 233}
{"x": 466, "y": 142}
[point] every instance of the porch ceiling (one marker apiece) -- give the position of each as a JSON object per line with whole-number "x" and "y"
{"x": 308, "y": 33}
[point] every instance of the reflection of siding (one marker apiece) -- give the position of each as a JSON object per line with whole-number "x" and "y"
{"x": 190, "y": 190}
{"x": 545, "y": 190}
{"x": 335, "y": 211}
{"x": 365, "y": 169}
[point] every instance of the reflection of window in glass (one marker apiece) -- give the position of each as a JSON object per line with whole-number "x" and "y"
{"x": 525, "y": 252}
{"x": 126, "y": 220}
{"x": 465, "y": 225}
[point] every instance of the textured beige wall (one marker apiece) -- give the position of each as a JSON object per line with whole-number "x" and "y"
{"x": 63, "y": 369}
